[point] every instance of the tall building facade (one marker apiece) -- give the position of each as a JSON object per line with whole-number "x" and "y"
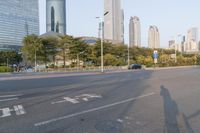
{"x": 154, "y": 37}
{"x": 18, "y": 18}
{"x": 134, "y": 32}
{"x": 192, "y": 40}
{"x": 56, "y": 16}
{"x": 113, "y": 21}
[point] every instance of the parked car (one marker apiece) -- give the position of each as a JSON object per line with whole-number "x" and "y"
{"x": 135, "y": 66}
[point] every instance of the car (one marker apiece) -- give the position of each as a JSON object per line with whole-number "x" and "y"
{"x": 135, "y": 66}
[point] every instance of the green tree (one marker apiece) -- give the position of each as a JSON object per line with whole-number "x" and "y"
{"x": 49, "y": 49}
{"x": 63, "y": 46}
{"x": 110, "y": 60}
{"x": 79, "y": 49}
{"x": 32, "y": 48}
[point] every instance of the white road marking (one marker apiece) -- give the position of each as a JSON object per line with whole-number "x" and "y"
{"x": 18, "y": 109}
{"x": 4, "y": 96}
{"x": 10, "y": 99}
{"x": 74, "y": 101}
{"x": 5, "y": 112}
{"x": 62, "y": 101}
{"x": 91, "y": 110}
{"x": 86, "y": 97}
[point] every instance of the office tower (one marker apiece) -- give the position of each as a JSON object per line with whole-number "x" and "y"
{"x": 17, "y": 19}
{"x": 192, "y": 40}
{"x": 113, "y": 21}
{"x": 171, "y": 43}
{"x": 154, "y": 37}
{"x": 56, "y": 16}
{"x": 134, "y": 32}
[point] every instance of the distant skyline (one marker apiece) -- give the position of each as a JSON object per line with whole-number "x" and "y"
{"x": 171, "y": 17}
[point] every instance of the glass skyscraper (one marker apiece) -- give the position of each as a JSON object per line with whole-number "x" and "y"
{"x": 18, "y": 18}
{"x": 56, "y": 16}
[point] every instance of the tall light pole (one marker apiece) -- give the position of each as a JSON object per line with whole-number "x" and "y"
{"x": 128, "y": 55}
{"x": 35, "y": 61}
{"x": 176, "y": 44}
{"x": 102, "y": 39}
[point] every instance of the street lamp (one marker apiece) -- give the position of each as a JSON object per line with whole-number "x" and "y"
{"x": 128, "y": 55}
{"x": 175, "y": 47}
{"x": 102, "y": 39}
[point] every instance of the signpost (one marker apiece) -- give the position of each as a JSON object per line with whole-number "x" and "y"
{"x": 155, "y": 56}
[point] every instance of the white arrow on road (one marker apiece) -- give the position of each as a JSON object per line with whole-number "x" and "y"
{"x": 76, "y": 99}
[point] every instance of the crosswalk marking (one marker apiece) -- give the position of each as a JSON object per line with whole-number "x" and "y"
{"x": 18, "y": 109}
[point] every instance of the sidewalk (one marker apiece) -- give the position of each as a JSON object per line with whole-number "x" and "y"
{"x": 167, "y": 68}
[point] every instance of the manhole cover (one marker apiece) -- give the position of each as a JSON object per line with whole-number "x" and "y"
{"x": 109, "y": 126}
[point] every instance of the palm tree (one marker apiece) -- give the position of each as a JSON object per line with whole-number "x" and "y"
{"x": 32, "y": 45}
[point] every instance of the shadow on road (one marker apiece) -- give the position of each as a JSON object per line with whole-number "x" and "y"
{"x": 171, "y": 111}
{"x": 175, "y": 121}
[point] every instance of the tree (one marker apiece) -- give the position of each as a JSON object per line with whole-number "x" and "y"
{"x": 32, "y": 48}
{"x": 10, "y": 57}
{"x": 49, "y": 49}
{"x": 110, "y": 60}
{"x": 79, "y": 49}
{"x": 63, "y": 45}
{"x": 198, "y": 60}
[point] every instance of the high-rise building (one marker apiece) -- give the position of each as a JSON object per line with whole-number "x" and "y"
{"x": 134, "y": 32}
{"x": 56, "y": 16}
{"x": 18, "y": 18}
{"x": 113, "y": 21}
{"x": 154, "y": 37}
{"x": 171, "y": 43}
{"x": 192, "y": 40}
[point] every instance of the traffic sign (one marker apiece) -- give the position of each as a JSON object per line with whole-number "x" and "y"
{"x": 155, "y": 54}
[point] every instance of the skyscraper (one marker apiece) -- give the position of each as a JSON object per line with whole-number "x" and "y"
{"x": 154, "y": 37}
{"x": 192, "y": 40}
{"x": 56, "y": 16}
{"x": 113, "y": 21}
{"x": 134, "y": 32}
{"x": 18, "y": 18}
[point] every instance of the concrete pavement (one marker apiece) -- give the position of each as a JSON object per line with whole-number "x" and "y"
{"x": 164, "y": 101}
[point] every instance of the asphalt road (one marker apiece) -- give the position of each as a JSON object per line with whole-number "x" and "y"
{"x": 144, "y": 101}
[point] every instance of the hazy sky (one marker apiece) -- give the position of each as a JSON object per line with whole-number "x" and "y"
{"x": 172, "y": 17}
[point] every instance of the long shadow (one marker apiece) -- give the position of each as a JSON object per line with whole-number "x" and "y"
{"x": 170, "y": 110}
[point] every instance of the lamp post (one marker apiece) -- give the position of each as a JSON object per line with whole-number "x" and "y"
{"x": 128, "y": 55}
{"x": 102, "y": 39}
{"x": 35, "y": 60}
{"x": 175, "y": 47}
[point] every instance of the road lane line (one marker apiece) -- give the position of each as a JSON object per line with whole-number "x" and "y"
{"x": 10, "y": 99}
{"x": 91, "y": 110}
{"x": 3, "y": 96}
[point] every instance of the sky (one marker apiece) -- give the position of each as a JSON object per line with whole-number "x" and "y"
{"x": 172, "y": 17}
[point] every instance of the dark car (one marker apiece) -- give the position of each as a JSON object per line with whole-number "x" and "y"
{"x": 135, "y": 66}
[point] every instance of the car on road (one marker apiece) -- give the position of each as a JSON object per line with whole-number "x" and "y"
{"x": 135, "y": 66}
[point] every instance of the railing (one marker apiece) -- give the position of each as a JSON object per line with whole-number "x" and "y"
{"x": 86, "y": 69}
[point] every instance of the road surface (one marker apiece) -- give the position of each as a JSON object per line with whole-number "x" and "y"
{"x": 144, "y": 101}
